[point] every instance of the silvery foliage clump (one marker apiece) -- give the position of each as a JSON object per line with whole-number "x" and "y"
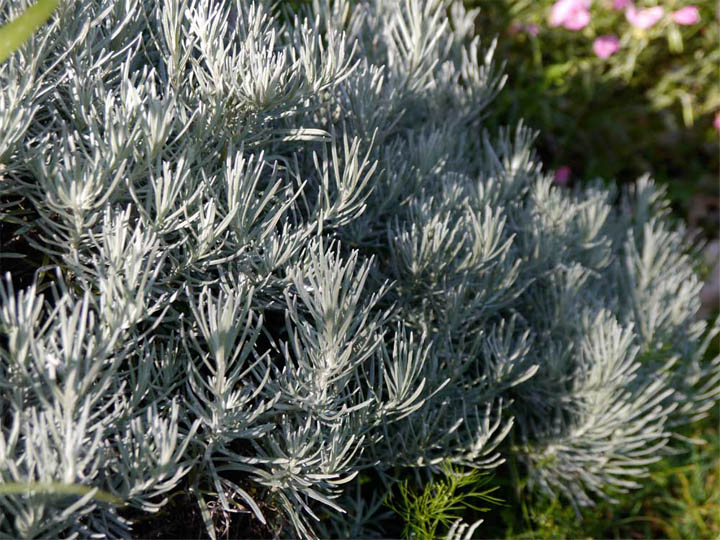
{"x": 279, "y": 251}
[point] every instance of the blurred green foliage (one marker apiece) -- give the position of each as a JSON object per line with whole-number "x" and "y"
{"x": 19, "y": 30}
{"x": 648, "y": 107}
{"x": 680, "y": 499}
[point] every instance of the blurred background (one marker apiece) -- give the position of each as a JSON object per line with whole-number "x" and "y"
{"x": 617, "y": 89}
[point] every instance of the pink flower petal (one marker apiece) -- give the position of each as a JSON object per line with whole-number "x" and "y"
{"x": 686, "y": 16}
{"x": 570, "y": 14}
{"x": 620, "y": 4}
{"x": 606, "y": 46}
{"x": 559, "y": 11}
{"x": 562, "y": 175}
{"x": 532, "y": 29}
{"x": 577, "y": 20}
{"x": 716, "y": 121}
{"x": 644, "y": 18}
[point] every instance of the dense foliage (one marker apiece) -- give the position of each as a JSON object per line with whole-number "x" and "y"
{"x": 276, "y": 254}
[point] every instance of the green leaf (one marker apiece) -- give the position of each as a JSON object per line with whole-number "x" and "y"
{"x": 557, "y": 71}
{"x": 56, "y": 488}
{"x": 17, "y": 32}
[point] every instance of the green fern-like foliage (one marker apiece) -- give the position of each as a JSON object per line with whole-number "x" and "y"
{"x": 258, "y": 256}
{"x": 442, "y": 503}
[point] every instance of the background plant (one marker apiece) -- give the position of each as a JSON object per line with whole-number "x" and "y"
{"x": 263, "y": 259}
{"x": 651, "y": 105}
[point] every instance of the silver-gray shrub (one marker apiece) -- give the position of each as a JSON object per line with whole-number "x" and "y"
{"x": 278, "y": 251}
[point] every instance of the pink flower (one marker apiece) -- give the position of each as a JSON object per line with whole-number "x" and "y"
{"x": 606, "y": 46}
{"x": 532, "y": 29}
{"x": 644, "y": 18}
{"x": 620, "y": 4}
{"x": 570, "y": 14}
{"x": 562, "y": 175}
{"x": 716, "y": 121}
{"x": 686, "y": 16}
